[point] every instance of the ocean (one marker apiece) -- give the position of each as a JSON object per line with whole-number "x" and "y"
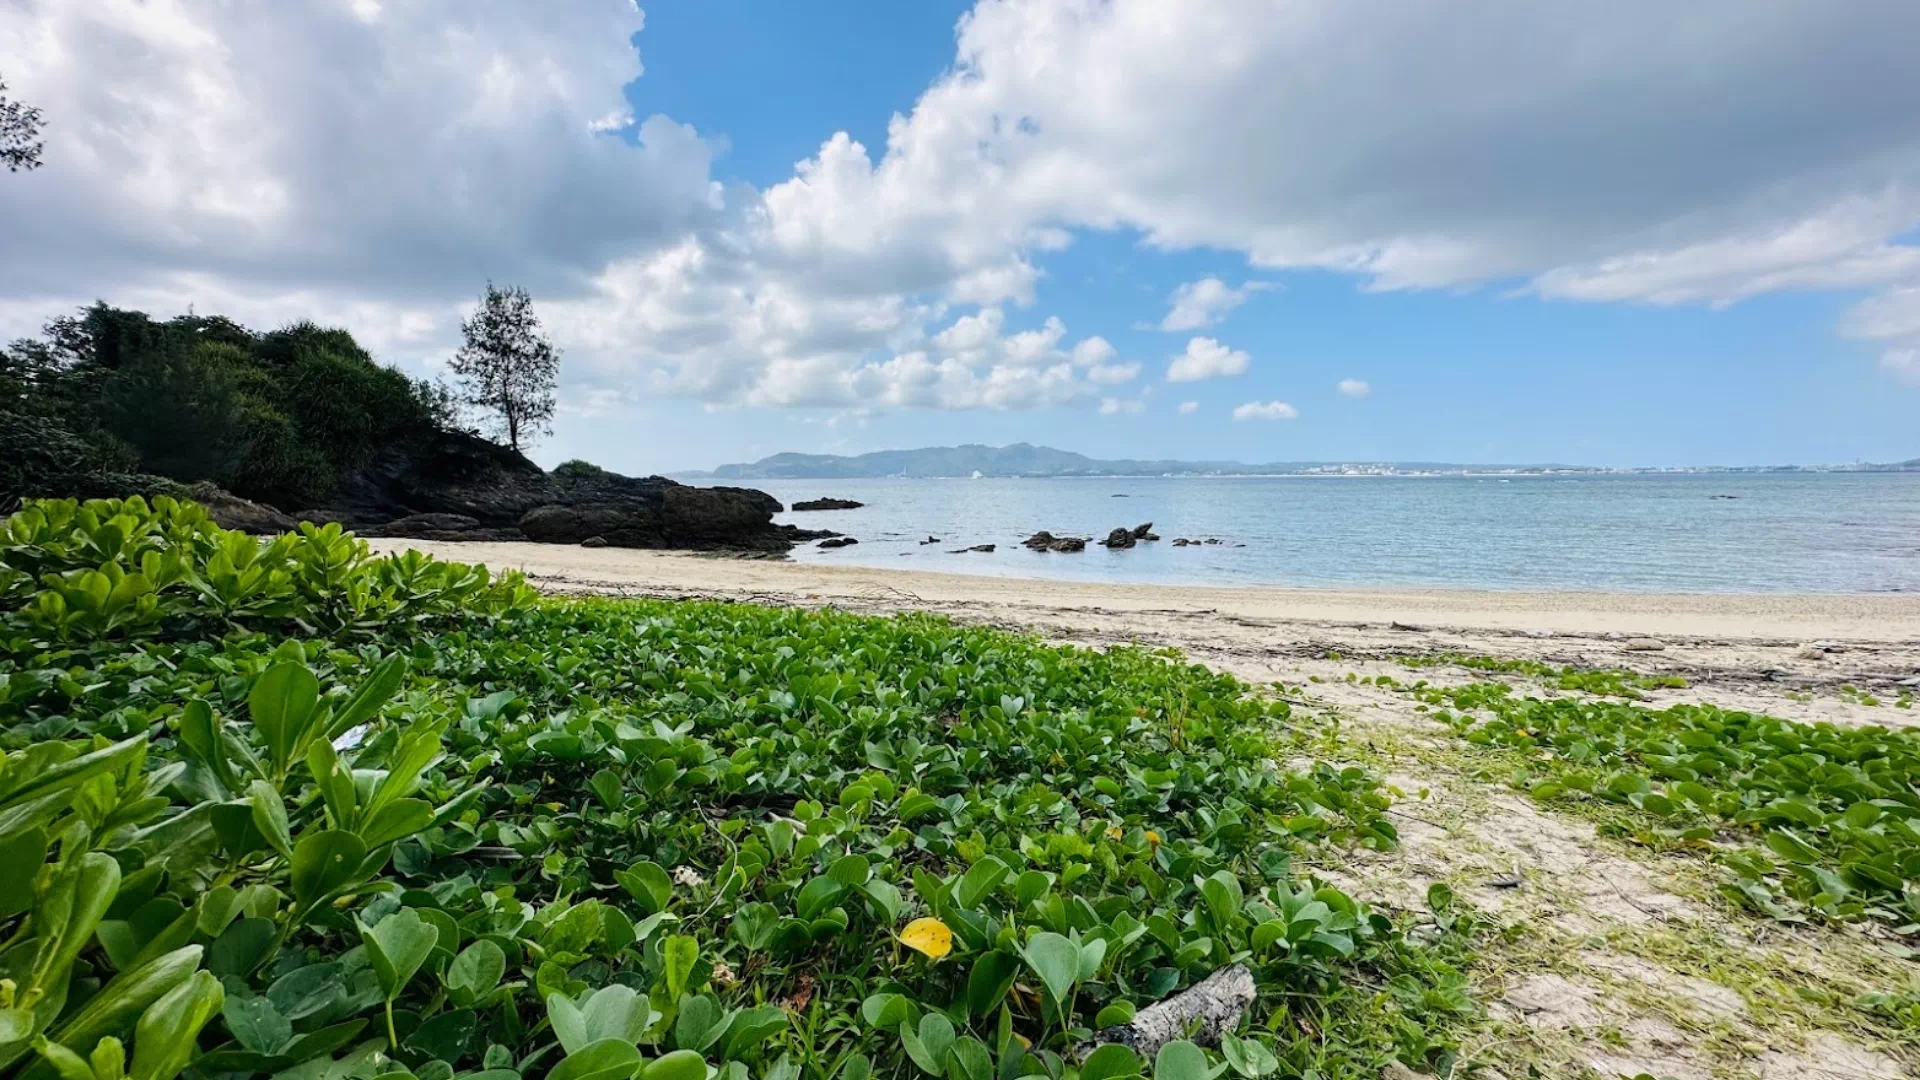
{"x": 1707, "y": 532}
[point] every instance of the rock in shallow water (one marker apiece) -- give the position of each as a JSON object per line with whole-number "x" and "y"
{"x": 1046, "y": 541}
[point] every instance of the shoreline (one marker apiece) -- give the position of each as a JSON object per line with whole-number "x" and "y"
{"x": 1746, "y": 617}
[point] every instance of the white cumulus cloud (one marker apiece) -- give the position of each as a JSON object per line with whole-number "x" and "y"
{"x": 1354, "y": 388}
{"x": 1198, "y": 304}
{"x": 1902, "y": 364}
{"x": 1265, "y": 410}
{"x": 1206, "y": 358}
{"x": 1188, "y": 408}
{"x": 1122, "y": 406}
{"x": 372, "y": 164}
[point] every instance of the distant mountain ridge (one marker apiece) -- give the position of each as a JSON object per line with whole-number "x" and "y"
{"x": 1028, "y": 460}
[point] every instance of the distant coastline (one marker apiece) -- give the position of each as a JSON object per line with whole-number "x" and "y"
{"x": 1026, "y": 461}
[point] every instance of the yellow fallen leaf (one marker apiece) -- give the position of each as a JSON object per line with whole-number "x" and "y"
{"x": 928, "y": 936}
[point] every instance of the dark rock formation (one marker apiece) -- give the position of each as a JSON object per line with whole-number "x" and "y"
{"x": 987, "y": 548}
{"x": 837, "y": 542}
{"x": 594, "y": 542}
{"x": 230, "y": 511}
{"x": 422, "y": 526}
{"x": 1181, "y": 541}
{"x": 1119, "y": 538}
{"x": 1046, "y": 541}
{"x": 828, "y": 504}
{"x": 426, "y": 487}
{"x": 929, "y": 540}
{"x": 1145, "y": 532}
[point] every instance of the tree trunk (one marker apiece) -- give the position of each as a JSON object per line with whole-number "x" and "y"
{"x": 1201, "y": 1012}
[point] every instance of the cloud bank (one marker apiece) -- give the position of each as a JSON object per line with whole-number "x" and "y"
{"x": 371, "y": 164}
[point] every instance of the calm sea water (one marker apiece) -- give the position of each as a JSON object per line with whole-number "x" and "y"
{"x": 1834, "y": 532}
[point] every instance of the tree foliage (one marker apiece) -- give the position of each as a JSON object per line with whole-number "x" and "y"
{"x": 110, "y": 402}
{"x": 20, "y": 143}
{"x": 507, "y": 366}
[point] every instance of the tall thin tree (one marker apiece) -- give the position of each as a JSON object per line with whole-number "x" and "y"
{"x": 507, "y": 365}
{"x": 20, "y": 143}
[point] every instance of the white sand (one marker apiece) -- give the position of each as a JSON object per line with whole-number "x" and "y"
{"x": 1730, "y": 617}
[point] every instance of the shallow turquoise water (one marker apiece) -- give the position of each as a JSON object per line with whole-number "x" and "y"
{"x": 1789, "y": 532}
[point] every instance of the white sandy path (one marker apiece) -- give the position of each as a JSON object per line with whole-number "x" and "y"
{"x": 1725, "y": 617}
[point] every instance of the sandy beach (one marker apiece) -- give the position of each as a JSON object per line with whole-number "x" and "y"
{"x": 1747, "y": 617}
{"x": 1754, "y": 651}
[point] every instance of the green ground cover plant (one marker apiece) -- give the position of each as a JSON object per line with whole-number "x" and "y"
{"x": 1603, "y": 682}
{"x": 1814, "y": 821}
{"x": 278, "y": 807}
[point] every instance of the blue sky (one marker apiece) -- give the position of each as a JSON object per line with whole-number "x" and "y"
{"x": 1590, "y": 234}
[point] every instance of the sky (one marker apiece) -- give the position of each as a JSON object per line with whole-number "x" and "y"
{"x": 1499, "y": 231}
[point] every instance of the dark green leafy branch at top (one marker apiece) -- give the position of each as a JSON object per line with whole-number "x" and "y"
{"x": 348, "y": 816}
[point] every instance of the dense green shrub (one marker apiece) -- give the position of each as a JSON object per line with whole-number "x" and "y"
{"x": 282, "y": 417}
{"x": 593, "y": 839}
{"x": 108, "y": 568}
{"x": 40, "y": 456}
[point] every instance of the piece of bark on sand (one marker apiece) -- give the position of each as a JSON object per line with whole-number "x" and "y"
{"x": 1202, "y": 1012}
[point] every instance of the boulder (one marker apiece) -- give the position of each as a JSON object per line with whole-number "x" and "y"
{"x": 828, "y": 504}
{"x": 594, "y": 542}
{"x": 1119, "y": 538}
{"x": 423, "y": 526}
{"x": 929, "y": 540}
{"x": 659, "y": 513}
{"x": 838, "y": 542}
{"x": 1144, "y": 532}
{"x": 1181, "y": 541}
{"x": 344, "y": 519}
{"x": 230, "y": 511}
{"x": 1644, "y": 644}
{"x": 1046, "y": 541}
{"x": 986, "y": 548}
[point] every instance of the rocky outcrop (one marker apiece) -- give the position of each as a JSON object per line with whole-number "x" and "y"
{"x": 1126, "y": 538}
{"x": 984, "y": 548}
{"x": 837, "y": 542}
{"x": 230, "y": 511}
{"x": 429, "y": 527}
{"x": 827, "y": 504}
{"x": 659, "y": 513}
{"x": 455, "y": 486}
{"x": 1046, "y": 541}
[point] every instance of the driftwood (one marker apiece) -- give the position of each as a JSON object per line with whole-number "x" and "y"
{"x": 1202, "y": 1013}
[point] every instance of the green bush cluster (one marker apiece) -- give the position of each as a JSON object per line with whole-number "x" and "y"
{"x": 119, "y": 399}
{"x": 1814, "y": 820}
{"x": 73, "y": 572}
{"x": 587, "y": 839}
